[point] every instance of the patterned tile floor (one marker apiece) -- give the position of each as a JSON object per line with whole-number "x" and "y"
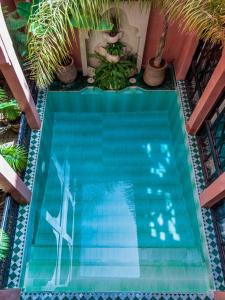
{"x": 17, "y": 258}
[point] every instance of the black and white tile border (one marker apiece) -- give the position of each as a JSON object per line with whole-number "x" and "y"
{"x": 114, "y": 296}
{"x": 21, "y": 227}
{"x": 17, "y": 257}
{"x": 200, "y": 183}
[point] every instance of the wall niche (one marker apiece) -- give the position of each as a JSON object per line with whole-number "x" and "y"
{"x": 133, "y": 28}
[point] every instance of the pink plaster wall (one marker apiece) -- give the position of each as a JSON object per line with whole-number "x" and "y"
{"x": 180, "y": 47}
{"x": 213, "y": 193}
{"x": 219, "y": 295}
{"x": 75, "y": 52}
{"x": 209, "y": 97}
{"x": 9, "y": 3}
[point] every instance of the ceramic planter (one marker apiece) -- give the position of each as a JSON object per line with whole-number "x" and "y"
{"x": 154, "y": 76}
{"x": 68, "y": 73}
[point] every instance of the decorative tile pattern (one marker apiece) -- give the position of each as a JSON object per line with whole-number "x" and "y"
{"x": 20, "y": 235}
{"x": 17, "y": 258}
{"x": 114, "y": 296}
{"x": 200, "y": 184}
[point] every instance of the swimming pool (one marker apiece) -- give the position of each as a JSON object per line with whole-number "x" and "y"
{"x": 114, "y": 204}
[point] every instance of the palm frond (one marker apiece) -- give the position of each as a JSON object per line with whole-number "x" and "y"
{"x": 3, "y": 95}
{"x": 52, "y": 24}
{"x": 50, "y": 27}
{"x": 205, "y": 18}
{"x": 16, "y": 156}
{"x": 4, "y": 244}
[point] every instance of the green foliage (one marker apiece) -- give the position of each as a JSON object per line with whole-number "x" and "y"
{"x": 15, "y": 155}
{"x": 50, "y": 41}
{"x": 4, "y": 244}
{"x": 3, "y": 96}
{"x": 17, "y": 22}
{"x": 9, "y": 107}
{"x": 115, "y": 49}
{"x": 113, "y": 75}
{"x": 10, "y": 110}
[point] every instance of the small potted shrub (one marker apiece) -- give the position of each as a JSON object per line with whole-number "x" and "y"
{"x": 113, "y": 76}
{"x": 10, "y": 111}
{"x": 154, "y": 74}
{"x": 66, "y": 72}
{"x": 15, "y": 155}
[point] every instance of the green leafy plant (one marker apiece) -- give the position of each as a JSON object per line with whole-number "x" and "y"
{"x": 10, "y": 110}
{"x": 113, "y": 75}
{"x": 51, "y": 23}
{"x": 15, "y": 155}
{"x": 115, "y": 49}
{"x": 17, "y": 24}
{"x": 4, "y": 244}
{"x": 3, "y": 95}
{"x": 9, "y": 107}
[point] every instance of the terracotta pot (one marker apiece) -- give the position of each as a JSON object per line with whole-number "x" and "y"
{"x": 68, "y": 73}
{"x": 112, "y": 39}
{"x": 154, "y": 76}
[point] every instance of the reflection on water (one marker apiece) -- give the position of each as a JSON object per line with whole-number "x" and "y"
{"x": 114, "y": 215}
{"x": 59, "y": 223}
{"x": 104, "y": 234}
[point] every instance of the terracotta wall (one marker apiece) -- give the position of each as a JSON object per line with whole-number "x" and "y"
{"x": 179, "y": 49}
{"x": 75, "y": 52}
{"x": 9, "y": 3}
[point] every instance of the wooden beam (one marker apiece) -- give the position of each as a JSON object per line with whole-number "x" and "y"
{"x": 10, "y": 294}
{"x": 14, "y": 76}
{"x": 209, "y": 97}
{"x": 214, "y": 192}
{"x": 219, "y": 295}
{"x": 11, "y": 183}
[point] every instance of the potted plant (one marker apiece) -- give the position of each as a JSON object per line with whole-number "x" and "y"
{"x": 154, "y": 73}
{"x": 116, "y": 49}
{"x": 44, "y": 54}
{"x": 15, "y": 155}
{"x": 10, "y": 111}
{"x": 66, "y": 72}
{"x": 113, "y": 76}
{"x": 4, "y": 244}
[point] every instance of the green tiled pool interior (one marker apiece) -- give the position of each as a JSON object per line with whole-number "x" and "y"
{"x": 114, "y": 204}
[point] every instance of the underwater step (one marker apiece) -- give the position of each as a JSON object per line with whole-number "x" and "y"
{"x": 107, "y": 256}
{"x": 112, "y": 277}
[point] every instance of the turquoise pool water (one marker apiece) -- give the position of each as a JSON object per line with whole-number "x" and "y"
{"x": 114, "y": 205}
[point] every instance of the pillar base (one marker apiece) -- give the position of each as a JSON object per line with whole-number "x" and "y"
{"x": 10, "y": 294}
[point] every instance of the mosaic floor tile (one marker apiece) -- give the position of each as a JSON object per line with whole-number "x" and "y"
{"x": 114, "y": 296}
{"x": 20, "y": 235}
{"x": 200, "y": 184}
